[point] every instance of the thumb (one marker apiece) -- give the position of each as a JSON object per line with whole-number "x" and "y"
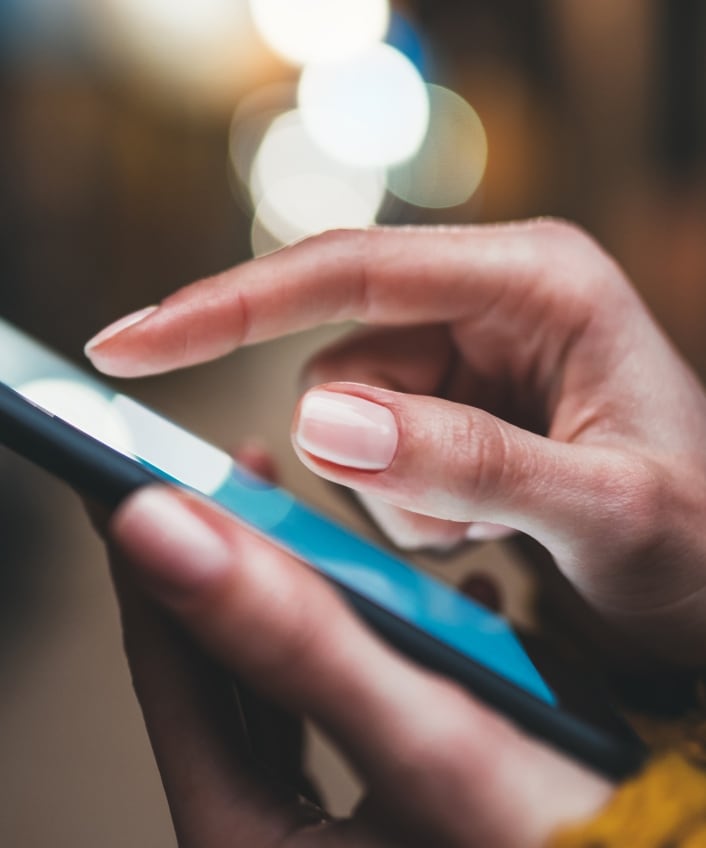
{"x": 458, "y": 463}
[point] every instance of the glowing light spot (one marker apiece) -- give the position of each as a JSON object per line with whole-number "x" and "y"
{"x": 313, "y": 31}
{"x": 83, "y": 407}
{"x": 252, "y": 119}
{"x": 450, "y": 163}
{"x": 299, "y": 190}
{"x": 204, "y": 48}
{"x": 371, "y": 110}
{"x": 262, "y": 241}
{"x": 311, "y": 203}
{"x": 188, "y": 23}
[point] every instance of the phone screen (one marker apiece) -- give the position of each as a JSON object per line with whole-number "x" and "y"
{"x": 367, "y": 571}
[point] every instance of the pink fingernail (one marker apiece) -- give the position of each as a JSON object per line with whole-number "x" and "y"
{"x": 347, "y": 430}
{"x": 117, "y": 327}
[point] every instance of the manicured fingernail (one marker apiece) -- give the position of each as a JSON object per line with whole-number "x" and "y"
{"x": 347, "y": 430}
{"x": 117, "y": 327}
{"x": 169, "y": 542}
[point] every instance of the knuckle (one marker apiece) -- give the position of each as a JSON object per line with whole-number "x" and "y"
{"x": 481, "y": 442}
{"x": 570, "y": 254}
{"x": 629, "y": 530}
{"x": 354, "y": 247}
{"x": 563, "y": 233}
{"x": 570, "y": 246}
{"x": 639, "y": 494}
{"x": 336, "y": 239}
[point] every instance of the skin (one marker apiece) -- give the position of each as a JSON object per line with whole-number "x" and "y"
{"x": 529, "y": 388}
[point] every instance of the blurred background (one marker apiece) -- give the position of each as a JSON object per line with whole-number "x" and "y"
{"x": 145, "y": 143}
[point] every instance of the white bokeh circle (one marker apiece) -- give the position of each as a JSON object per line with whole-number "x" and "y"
{"x": 298, "y": 190}
{"x": 450, "y": 164}
{"x": 371, "y": 110}
{"x": 313, "y": 31}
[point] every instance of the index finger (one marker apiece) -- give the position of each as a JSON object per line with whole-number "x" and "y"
{"x": 393, "y": 276}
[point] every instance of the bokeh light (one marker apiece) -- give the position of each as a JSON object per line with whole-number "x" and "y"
{"x": 449, "y": 165}
{"x": 312, "y": 31}
{"x": 262, "y": 241}
{"x": 205, "y": 49}
{"x": 253, "y": 117}
{"x": 306, "y": 204}
{"x": 187, "y": 24}
{"x": 287, "y": 150}
{"x": 299, "y": 190}
{"x": 371, "y": 110}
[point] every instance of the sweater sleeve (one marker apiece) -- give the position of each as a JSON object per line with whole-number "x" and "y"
{"x": 662, "y": 807}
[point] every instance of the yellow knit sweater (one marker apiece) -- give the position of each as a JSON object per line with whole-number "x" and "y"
{"x": 665, "y": 805}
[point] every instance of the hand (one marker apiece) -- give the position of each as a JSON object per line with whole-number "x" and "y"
{"x": 437, "y": 768}
{"x": 512, "y": 376}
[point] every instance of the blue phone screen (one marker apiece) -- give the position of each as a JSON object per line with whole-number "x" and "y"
{"x": 68, "y": 393}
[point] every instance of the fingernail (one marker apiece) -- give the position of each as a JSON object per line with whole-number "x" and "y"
{"x": 173, "y": 547}
{"x": 347, "y": 430}
{"x": 117, "y": 327}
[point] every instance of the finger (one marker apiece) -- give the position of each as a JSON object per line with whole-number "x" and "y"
{"x": 486, "y": 531}
{"x": 410, "y": 531}
{"x": 255, "y": 456}
{"x": 425, "y": 749}
{"x": 379, "y": 276}
{"x": 458, "y": 463}
{"x": 200, "y": 744}
{"x": 410, "y": 359}
{"x": 262, "y": 613}
{"x": 420, "y": 360}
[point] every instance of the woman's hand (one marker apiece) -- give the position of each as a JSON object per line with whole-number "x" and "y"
{"x": 511, "y": 376}
{"x": 437, "y": 768}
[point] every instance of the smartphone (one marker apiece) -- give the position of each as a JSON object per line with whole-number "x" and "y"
{"x": 107, "y": 445}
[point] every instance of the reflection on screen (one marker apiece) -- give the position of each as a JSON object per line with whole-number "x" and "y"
{"x": 68, "y": 393}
